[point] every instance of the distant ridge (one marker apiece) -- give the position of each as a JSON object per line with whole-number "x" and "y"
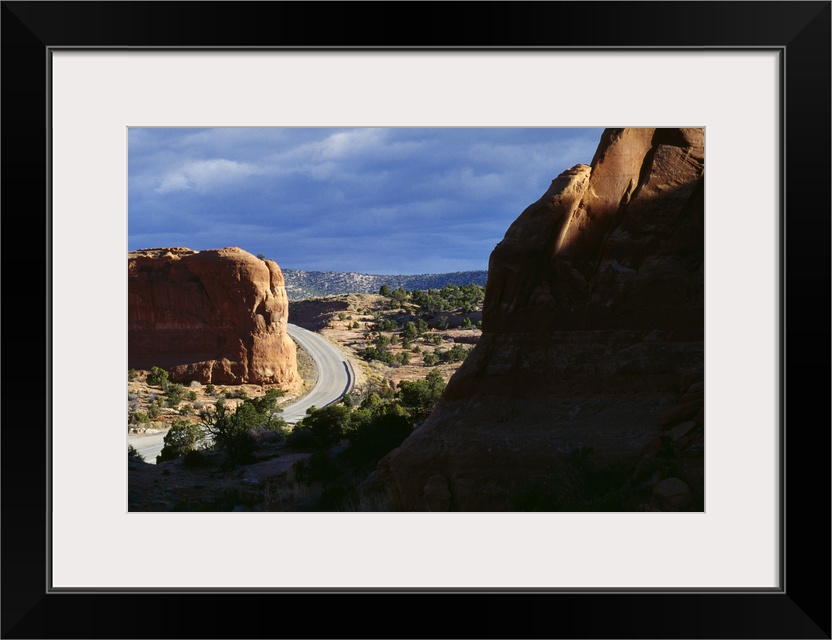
{"x": 314, "y": 284}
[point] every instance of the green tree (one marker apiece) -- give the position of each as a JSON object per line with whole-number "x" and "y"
{"x": 176, "y": 393}
{"x": 384, "y": 291}
{"x": 321, "y": 428}
{"x": 158, "y": 377}
{"x": 388, "y": 324}
{"x": 182, "y": 437}
{"x": 230, "y": 430}
{"x": 457, "y": 353}
{"x": 409, "y": 331}
{"x": 419, "y": 396}
{"x": 132, "y": 452}
{"x": 154, "y": 409}
{"x": 373, "y": 435}
{"x": 266, "y": 408}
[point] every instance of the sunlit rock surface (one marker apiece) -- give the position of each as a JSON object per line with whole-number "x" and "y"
{"x": 593, "y": 336}
{"x": 213, "y": 316}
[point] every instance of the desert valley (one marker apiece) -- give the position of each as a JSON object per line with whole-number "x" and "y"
{"x": 569, "y": 377}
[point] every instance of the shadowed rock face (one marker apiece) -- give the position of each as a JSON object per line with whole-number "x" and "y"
{"x": 593, "y": 329}
{"x": 214, "y": 316}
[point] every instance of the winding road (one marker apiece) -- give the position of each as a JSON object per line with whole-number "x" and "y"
{"x": 335, "y": 380}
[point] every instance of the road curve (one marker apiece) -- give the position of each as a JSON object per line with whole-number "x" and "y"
{"x": 335, "y": 376}
{"x": 335, "y": 380}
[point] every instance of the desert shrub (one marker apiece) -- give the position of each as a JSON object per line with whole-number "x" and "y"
{"x": 195, "y": 384}
{"x": 409, "y": 331}
{"x": 154, "y": 409}
{"x": 234, "y": 431}
{"x": 302, "y": 439}
{"x": 404, "y": 357}
{"x": 231, "y": 432}
{"x": 191, "y": 396}
{"x": 175, "y": 392}
{"x": 325, "y": 427}
{"x": 132, "y": 397}
{"x": 210, "y": 389}
{"x": 182, "y": 437}
{"x": 186, "y": 410}
{"x": 457, "y": 353}
{"x": 194, "y": 459}
{"x": 418, "y": 397}
{"x": 442, "y": 323}
{"x": 132, "y": 374}
{"x": 430, "y": 359}
{"x": 158, "y": 377}
{"x": 372, "y": 439}
{"x": 388, "y": 325}
{"x": 380, "y": 351}
{"x": 266, "y": 408}
{"x": 139, "y": 417}
{"x": 132, "y": 452}
{"x": 467, "y": 324}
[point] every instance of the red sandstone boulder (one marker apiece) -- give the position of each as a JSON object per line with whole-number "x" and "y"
{"x": 213, "y": 316}
{"x": 593, "y": 322}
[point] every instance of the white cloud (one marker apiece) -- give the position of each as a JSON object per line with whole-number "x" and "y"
{"x": 207, "y": 175}
{"x": 346, "y": 144}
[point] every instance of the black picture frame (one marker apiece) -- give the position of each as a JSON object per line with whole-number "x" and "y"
{"x": 800, "y": 608}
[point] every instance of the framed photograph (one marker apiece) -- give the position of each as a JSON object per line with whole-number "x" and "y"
{"x": 753, "y": 77}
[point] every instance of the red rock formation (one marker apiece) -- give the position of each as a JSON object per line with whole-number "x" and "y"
{"x": 593, "y": 326}
{"x": 214, "y": 316}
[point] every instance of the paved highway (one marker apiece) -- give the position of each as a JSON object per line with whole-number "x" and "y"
{"x": 335, "y": 379}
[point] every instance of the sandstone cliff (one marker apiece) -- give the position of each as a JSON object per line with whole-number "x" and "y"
{"x": 593, "y": 337}
{"x": 214, "y": 316}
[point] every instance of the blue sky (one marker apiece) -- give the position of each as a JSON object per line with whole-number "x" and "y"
{"x": 371, "y": 200}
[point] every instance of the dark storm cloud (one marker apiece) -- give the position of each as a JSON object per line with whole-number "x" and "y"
{"x": 374, "y": 200}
